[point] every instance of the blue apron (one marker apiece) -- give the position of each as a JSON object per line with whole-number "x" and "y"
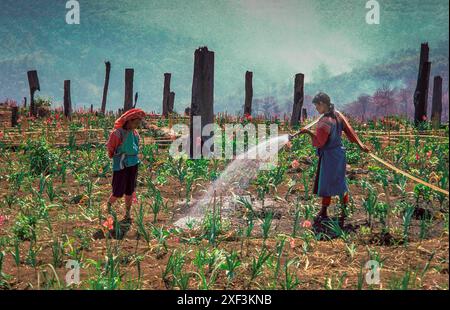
{"x": 330, "y": 176}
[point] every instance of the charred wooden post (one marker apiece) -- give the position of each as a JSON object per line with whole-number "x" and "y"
{"x": 128, "y": 101}
{"x": 171, "y": 101}
{"x": 92, "y": 108}
{"x": 14, "y": 116}
{"x": 166, "y": 94}
{"x": 421, "y": 92}
{"x": 33, "y": 82}
{"x": 248, "y": 93}
{"x": 436, "y": 107}
{"x": 24, "y": 102}
{"x": 105, "y": 86}
{"x": 298, "y": 99}
{"x": 67, "y": 99}
{"x": 202, "y": 98}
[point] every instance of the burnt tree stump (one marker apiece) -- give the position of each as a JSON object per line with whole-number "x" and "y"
{"x": 14, "y": 116}
{"x": 166, "y": 94}
{"x": 436, "y": 107}
{"x": 33, "y": 82}
{"x": 128, "y": 101}
{"x": 105, "y": 86}
{"x": 248, "y": 93}
{"x": 421, "y": 92}
{"x": 202, "y": 103}
{"x": 67, "y": 99}
{"x": 298, "y": 99}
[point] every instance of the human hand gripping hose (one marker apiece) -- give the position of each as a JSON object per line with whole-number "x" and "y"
{"x": 378, "y": 159}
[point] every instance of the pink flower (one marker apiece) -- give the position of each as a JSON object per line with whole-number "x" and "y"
{"x": 424, "y": 117}
{"x": 417, "y": 156}
{"x": 108, "y": 224}
{"x": 306, "y": 224}
{"x": 248, "y": 117}
{"x": 2, "y": 220}
{"x": 429, "y": 153}
{"x": 295, "y": 164}
{"x": 292, "y": 243}
{"x": 134, "y": 198}
{"x": 1, "y": 135}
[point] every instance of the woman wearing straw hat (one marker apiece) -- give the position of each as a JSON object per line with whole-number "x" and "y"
{"x": 123, "y": 148}
{"x": 330, "y": 177}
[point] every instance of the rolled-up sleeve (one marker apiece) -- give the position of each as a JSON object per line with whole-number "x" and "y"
{"x": 321, "y": 135}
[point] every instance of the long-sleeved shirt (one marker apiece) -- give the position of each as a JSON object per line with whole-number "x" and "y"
{"x": 323, "y": 129}
{"x": 123, "y": 147}
{"x": 115, "y": 140}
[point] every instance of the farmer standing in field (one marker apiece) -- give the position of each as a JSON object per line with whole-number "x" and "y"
{"x": 123, "y": 148}
{"x": 330, "y": 177}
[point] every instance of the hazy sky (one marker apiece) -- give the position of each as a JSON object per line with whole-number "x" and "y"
{"x": 274, "y": 39}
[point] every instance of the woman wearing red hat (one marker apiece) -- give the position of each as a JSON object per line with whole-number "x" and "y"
{"x": 123, "y": 148}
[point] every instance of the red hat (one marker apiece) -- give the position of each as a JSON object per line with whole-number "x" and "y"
{"x": 128, "y": 116}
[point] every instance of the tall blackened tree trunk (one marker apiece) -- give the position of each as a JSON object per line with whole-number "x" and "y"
{"x": 248, "y": 93}
{"x": 166, "y": 94}
{"x": 105, "y": 86}
{"x": 421, "y": 92}
{"x": 298, "y": 99}
{"x": 202, "y": 98}
{"x": 67, "y": 99}
{"x": 436, "y": 108}
{"x": 128, "y": 102}
{"x": 33, "y": 82}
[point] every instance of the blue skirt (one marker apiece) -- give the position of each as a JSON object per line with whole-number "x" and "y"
{"x": 330, "y": 176}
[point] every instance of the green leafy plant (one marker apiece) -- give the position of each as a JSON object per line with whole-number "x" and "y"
{"x": 230, "y": 265}
{"x": 265, "y": 226}
{"x": 258, "y": 263}
{"x": 291, "y": 281}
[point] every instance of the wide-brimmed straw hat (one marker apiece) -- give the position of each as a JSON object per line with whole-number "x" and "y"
{"x": 128, "y": 116}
